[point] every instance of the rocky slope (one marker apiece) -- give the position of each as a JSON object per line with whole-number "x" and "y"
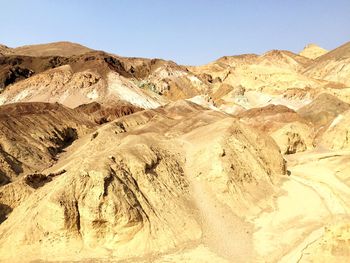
{"x": 132, "y": 182}
{"x": 34, "y": 134}
{"x": 290, "y": 130}
{"x": 101, "y": 114}
{"x": 333, "y": 66}
{"x": 323, "y": 110}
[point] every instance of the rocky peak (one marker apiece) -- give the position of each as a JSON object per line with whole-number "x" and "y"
{"x": 313, "y": 51}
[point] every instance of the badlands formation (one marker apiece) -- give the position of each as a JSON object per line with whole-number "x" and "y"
{"x": 105, "y": 158}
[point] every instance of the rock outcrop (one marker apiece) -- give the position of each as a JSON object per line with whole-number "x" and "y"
{"x": 294, "y": 137}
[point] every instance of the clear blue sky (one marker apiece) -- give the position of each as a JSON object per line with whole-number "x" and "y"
{"x": 188, "y": 32}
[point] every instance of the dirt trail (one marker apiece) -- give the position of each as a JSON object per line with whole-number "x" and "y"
{"x": 224, "y": 233}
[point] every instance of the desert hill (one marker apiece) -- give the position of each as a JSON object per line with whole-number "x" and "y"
{"x": 105, "y": 158}
{"x": 338, "y": 53}
{"x": 144, "y": 82}
{"x": 260, "y": 79}
{"x": 61, "y": 49}
{"x": 312, "y": 51}
{"x": 264, "y": 79}
{"x": 143, "y": 179}
{"x": 333, "y": 66}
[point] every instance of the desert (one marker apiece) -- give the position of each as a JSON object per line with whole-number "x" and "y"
{"x": 113, "y": 158}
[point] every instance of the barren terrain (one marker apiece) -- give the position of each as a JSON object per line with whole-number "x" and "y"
{"x": 105, "y": 158}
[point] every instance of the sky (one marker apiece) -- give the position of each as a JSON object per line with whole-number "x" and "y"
{"x": 190, "y": 32}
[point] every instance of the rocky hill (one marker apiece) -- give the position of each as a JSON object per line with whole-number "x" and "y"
{"x": 137, "y": 176}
